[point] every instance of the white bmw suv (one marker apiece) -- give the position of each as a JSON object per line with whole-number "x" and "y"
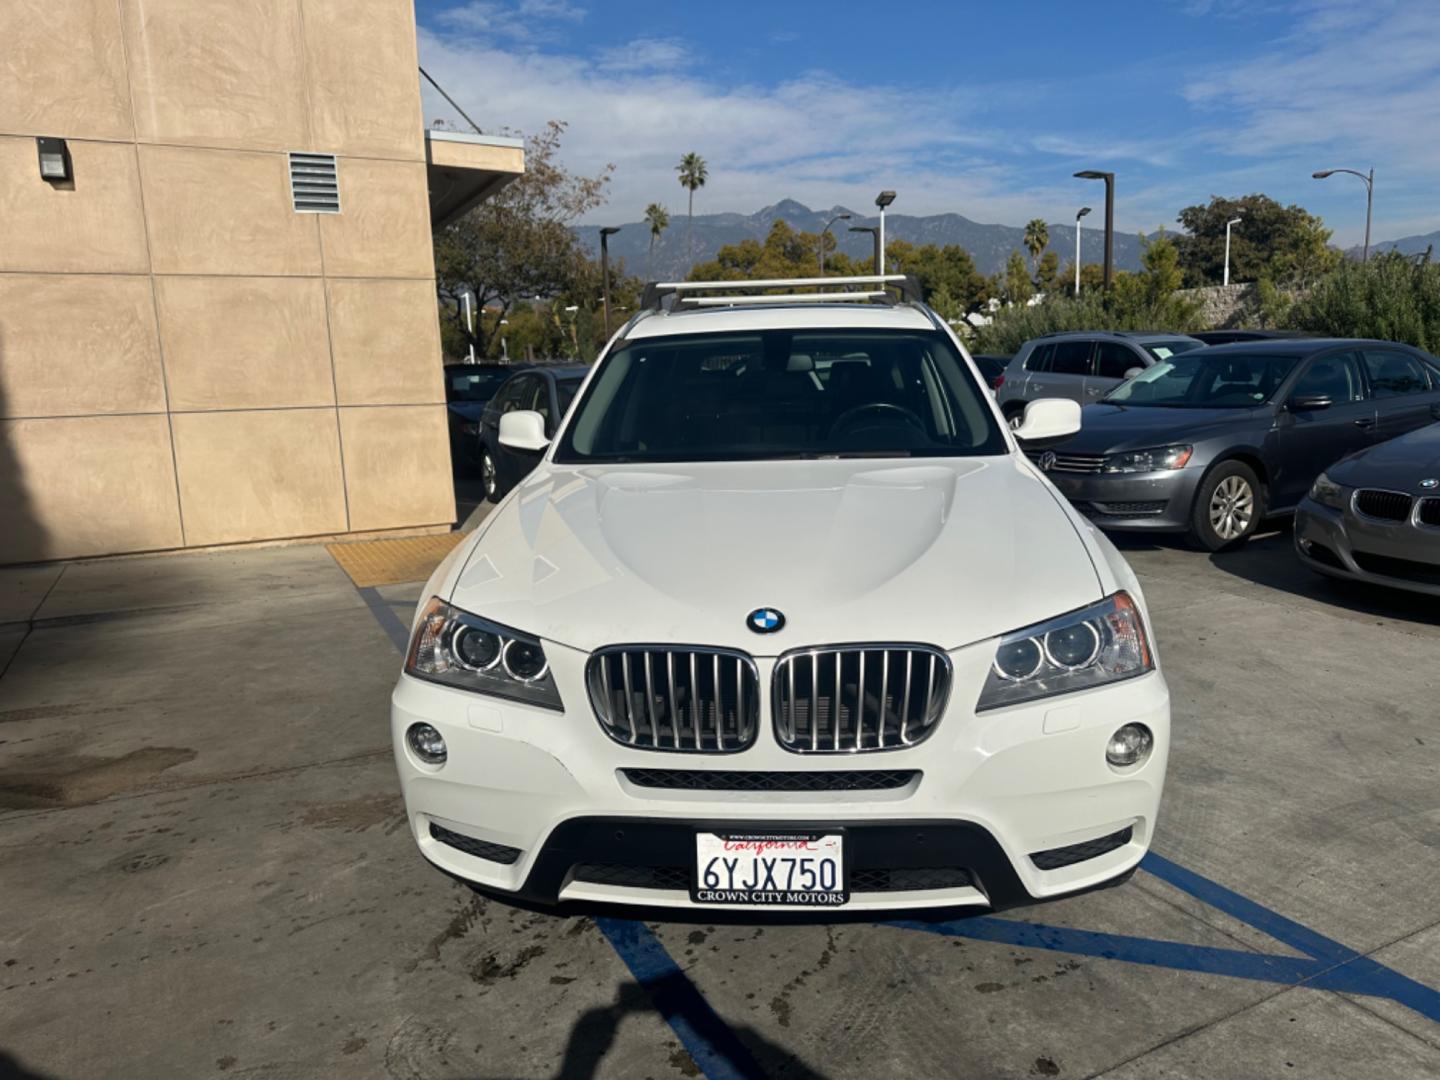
{"x": 783, "y": 619}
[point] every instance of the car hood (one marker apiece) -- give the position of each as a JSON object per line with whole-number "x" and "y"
{"x": 469, "y": 410}
{"x": 1400, "y": 464}
{"x": 1105, "y": 428}
{"x": 849, "y": 550}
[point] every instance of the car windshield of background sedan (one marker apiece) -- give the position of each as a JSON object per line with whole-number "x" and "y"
{"x": 472, "y": 385}
{"x": 1214, "y": 381}
{"x": 782, "y": 394}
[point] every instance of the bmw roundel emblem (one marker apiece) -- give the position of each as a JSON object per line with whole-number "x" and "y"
{"x": 765, "y": 620}
{"x": 1429, "y": 482}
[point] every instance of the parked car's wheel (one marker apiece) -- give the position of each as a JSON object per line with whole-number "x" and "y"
{"x": 1228, "y": 506}
{"x": 1013, "y": 411}
{"x": 487, "y": 476}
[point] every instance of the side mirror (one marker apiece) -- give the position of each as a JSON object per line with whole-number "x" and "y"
{"x": 1130, "y": 373}
{"x": 1309, "y": 402}
{"x": 523, "y": 429}
{"x": 1048, "y": 420}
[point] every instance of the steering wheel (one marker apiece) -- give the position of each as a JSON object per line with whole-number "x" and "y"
{"x": 877, "y": 406}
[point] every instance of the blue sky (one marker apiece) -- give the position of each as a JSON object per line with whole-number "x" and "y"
{"x": 980, "y": 109}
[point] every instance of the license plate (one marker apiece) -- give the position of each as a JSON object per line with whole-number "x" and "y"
{"x": 780, "y": 869}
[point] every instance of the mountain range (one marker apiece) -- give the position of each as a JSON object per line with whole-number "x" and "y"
{"x": 1406, "y": 245}
{"x": 989, "y": 245}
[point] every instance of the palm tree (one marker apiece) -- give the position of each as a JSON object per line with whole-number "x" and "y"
{"x": 658, "y": 218}
{"x": 1037, "y": 235}
{"x": 692, "y": 175}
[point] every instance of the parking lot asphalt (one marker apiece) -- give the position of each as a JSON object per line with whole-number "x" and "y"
{"x": 207, "y": 872}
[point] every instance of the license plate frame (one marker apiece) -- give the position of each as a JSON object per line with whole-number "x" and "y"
{"x": 772, "y": 860}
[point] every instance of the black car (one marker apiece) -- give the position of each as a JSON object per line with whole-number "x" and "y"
{"x": 546, "y": 390}
{"x": 1211, "y": 441}
{"x": 1230, "y": 337}
{"x": 467, "y": 388}
{"x": 991, "y": 367}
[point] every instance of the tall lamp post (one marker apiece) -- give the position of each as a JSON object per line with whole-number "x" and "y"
{"x": 1080, "y": 214}
{"x": 605, "y": 234}
{"x": 1232, "y": 221}
{"x": 876, "y": 234}
{"x": 884, "y": 199}
{"x": 504, "y": 346}
{"x": 1109, "y": 178}
{"x": 837, "y": 217}
{"x": 1369, "y": 198}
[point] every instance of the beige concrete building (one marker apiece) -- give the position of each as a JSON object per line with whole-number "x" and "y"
{"x": 195, "y": 347}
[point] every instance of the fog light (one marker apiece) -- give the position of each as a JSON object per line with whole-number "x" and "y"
{"x": 1130, "y": 745}
{"x": 426, "y": 743}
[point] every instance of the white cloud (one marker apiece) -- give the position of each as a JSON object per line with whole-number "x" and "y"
{"x": 645, "y": 54}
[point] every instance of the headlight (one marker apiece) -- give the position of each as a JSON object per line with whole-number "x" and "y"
{"x": 1327, "y": 493}
{"x": 1157, "y": 460}
{"x": 1090, "y": 647}
{"x": 458, "y": 649}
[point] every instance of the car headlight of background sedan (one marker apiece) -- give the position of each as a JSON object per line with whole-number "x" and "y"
{"x": 1157, "y": 460}
{"x": 1096, "y": 645}
{"x": 1327, "y": 493}
{"x": 458, "y": 649}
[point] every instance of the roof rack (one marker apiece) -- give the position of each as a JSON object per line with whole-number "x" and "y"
{"x": 848, "y": 290}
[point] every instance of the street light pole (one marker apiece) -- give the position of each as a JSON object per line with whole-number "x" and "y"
{"x": 1232, "y": 221}
{"x": 1109, "y": 178}
{"x": 1369, "y": 198}
{"x": 837, "y": 217}
{"x": 1082, "y": 212}
{"x": 875, "y": 235}
{"x": 605, "y": 234}
{"x": 884, "y": 199}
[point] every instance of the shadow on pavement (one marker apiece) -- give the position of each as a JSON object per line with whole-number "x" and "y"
{"x": 22, "y": 537}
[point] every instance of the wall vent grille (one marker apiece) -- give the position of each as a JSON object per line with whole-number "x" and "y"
{"x": 314, "y": 184}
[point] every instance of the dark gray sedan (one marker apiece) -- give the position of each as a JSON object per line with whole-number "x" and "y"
{"x": 1212, "y": 441}
{"x": 1375, "y": 517}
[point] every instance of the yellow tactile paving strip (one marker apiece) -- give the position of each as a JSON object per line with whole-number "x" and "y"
{"x": 393, "y": 562}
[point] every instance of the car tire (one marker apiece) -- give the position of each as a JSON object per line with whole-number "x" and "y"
{"x": 1229, "y": 507}
{"x": 1012, "y": 411}
{"x": 488, "y": 476}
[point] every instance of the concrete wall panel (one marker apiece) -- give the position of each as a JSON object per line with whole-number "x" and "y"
{"x": 86, "y": 485}
{"x": 257, "y": 475}
{"x": 93, "y": 225}
{"x": 397, "y": 466}
{"x": 224, "y": 212}
{"x": 244, "y": 342}
{"x": 71, "y": 345}
{"x": 383, "y": 229}
{"x": 66, "y": 76}
{"x": 385, "y": 338}
{"x": 217, "y": 72}
{"x": 363, "y": 79}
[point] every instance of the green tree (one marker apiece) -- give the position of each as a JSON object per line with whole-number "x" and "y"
{"x": 784, "y": 253}
{"x": 1037, "y": 235}
{"x": 1392, "y": 297}
{"x": 517, "y": 244}
{"x": 950, "y": 268}
{"x": 1018, "y": 287}
{"x": 1047, "y": 274}
{"x": 1287, "y": 244}
{"x": 658, "y": 218}
{"x": 693, "y": 174}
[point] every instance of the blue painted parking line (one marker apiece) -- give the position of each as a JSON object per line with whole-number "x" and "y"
{"x": 720, "y": 1055}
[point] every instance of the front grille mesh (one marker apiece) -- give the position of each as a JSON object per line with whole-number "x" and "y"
{"x": 726, "y": 780}
{"x": 1129, "y": 509}
{"x": 1422, "y": 573}
{"x": 909, "y": 879}
{"x": 859, "y": 697}
{"x": 1071, "y": 854}
{"x": 1430, "y": 512}
{"x": 481, "y": 849}
{"x": 634, "y": 877}
{"x": 1073, "y": 463}
{"x": 1385, "y": 505}
{"x": 684, "y": 698}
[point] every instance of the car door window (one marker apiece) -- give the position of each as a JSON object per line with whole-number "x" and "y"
{"x": 1394, "y": 374}
{"x": 1114, "y": 359}
{"x": 539, "y": 399}
{"x": 516, "y": 394}
{"x": 1336, "y": 376}
{"x": 1071, "y": 358}
{"x": 1040, "y": 358}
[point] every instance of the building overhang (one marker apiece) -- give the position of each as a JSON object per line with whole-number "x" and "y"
{"x": 463, "y": 169}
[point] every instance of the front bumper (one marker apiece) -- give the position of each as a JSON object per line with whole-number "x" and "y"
{"x": 1155, "y": 501}
{"x": 1341, "y": 544}
{"x": 545, "y": 800}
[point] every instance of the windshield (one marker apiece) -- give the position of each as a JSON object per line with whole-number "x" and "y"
{"x": 1221, "y": 380}
{"x": 473, "y": 385}
{"x": 1163, "y": 350}
{"x": 782, "y": 394}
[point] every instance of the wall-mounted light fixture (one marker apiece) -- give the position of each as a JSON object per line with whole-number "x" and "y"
{"x": 54, "y": 159}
